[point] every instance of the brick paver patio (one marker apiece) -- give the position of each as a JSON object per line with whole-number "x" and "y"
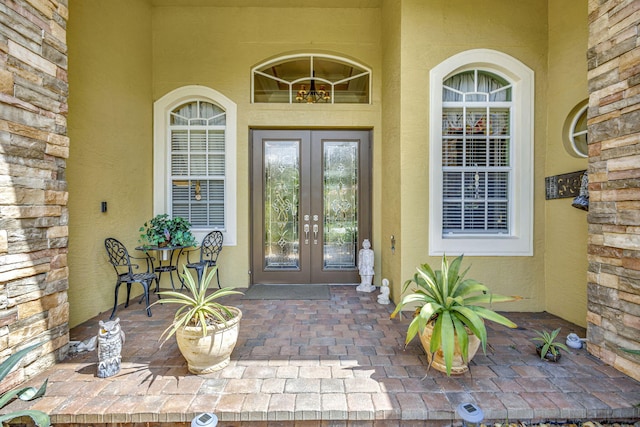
{"x": 337, "y": 362}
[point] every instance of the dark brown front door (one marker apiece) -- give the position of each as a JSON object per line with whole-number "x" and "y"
{"x": 310, "y": 201}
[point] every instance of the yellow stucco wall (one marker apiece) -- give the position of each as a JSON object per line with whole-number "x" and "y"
{"x": 112, "y": 90}
{"x": 110, "y": 156}
{"x": 566, "y": 232}
{"x": 217, "y": 47}
{"x": 390, "y": 142}
{"x": 432, "y": 32}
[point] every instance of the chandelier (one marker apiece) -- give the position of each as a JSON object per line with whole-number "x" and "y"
{"x": 313, "y": 95}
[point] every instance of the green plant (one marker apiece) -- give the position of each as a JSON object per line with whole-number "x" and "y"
{"x": 162, "y": 230}
{"x": 25, "y": 393}
{"x": 451, "y": 301}
{"x": 549, "y": 344}
{"x": 196, "y": 307}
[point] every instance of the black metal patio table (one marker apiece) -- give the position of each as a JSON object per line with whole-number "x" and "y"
{"x": 167, "y": 259}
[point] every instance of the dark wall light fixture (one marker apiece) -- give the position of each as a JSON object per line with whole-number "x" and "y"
{"x": 103, "y": 207}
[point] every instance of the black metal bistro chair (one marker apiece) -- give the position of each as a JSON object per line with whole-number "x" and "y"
{"x": 121, "y": 261}
{"x": 209, "y": 250}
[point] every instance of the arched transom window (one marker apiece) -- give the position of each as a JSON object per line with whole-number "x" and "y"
{"x": 311, "y": 79}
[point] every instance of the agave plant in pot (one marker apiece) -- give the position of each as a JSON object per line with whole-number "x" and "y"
{"x": 205, "y": 329}
{"x": 449, "y": 318}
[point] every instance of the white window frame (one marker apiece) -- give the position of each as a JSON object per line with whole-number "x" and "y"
{"x": 310, "y": 56}
{"x": 519, "y": 240}
{"x": 161, "y": 154}
{"x": 574, "y": 117}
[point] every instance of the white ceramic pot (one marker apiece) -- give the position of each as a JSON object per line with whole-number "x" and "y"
{"x": 213, "y": 351}
{"x": 458, "y": 366}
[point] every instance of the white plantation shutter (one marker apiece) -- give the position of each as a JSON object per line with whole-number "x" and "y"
{"x": 476, "y": 162}
{"x": 197, "y": 164}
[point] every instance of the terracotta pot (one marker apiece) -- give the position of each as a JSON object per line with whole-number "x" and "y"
{"x": 458, "y": 365}
{"x": 549, "y": 356}
{"x": 213, "y": 351}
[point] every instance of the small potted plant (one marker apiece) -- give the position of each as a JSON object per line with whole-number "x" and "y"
{"x": 549, "y": 348}
{"x": 448, "y": 318}
{"x": 162, "y": 230}
{"x": 206, "y": 330}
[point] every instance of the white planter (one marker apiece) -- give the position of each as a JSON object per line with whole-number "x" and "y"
{"x": 213, "y": 351}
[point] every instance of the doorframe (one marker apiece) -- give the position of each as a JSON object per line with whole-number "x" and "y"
{"x": 365, "y": 170}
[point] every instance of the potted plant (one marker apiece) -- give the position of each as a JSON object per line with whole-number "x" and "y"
{"x": 162, "y": 230}
{"x": 448, "y": 318}
{"x": 549, "y": 348}
{"x": 206, "y": 330}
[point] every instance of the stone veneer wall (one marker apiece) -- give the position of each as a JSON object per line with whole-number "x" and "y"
{"x": 33, "y": 190}
{"x": 613, "y": 318}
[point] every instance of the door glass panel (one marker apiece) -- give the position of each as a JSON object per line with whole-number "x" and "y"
{"x": 340, "y": 194}
{"x": 281, "y": 199}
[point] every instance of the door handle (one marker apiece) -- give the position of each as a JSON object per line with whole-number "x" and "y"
{"x": 315, "y": 234}
{"x": 306, "y": 234}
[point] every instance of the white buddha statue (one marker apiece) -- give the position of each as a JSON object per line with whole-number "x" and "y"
{"x": 383, "y": 297}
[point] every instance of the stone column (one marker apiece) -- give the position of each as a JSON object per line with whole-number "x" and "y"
{"x": 613, "y": 318}
{"x": 33, "y": 189}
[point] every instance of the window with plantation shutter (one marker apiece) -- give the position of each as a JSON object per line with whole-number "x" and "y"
{"x": 481, "y": 163}
{"x": 476, "y": 164}
{"x": 197, "y": 130}
{"x": 194, "y": 160}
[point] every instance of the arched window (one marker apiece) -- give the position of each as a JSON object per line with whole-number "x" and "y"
{"x": 481, "y": 155}
{"x": 575, "y": 131}
{"x": 194, "y": 159}
{"x": 311, "y": 79}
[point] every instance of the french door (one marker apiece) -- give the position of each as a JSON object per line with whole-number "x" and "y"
{"x": 310, "y": 201}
